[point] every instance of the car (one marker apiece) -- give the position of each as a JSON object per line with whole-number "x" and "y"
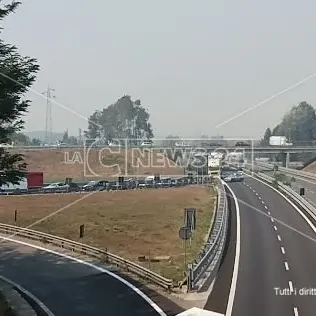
{"x": 115, "y": 143}
{"x": 146, "y": 143}
{"x": 55, "y": 187}
{"x": 182, "y": 144}
{"x": 164, "y": 183}
{"x": 72, "y": 187}
{"x": 242, "y": 144}
{"x": 141, "y": 184}
{"x": 95, "y": 185}
{"x": 228, "y": 179}
{"x": 240, "y": 175}
{"x": 128, "y": 184}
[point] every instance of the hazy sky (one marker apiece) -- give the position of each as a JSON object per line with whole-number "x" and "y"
{"x": 193, "y": 64}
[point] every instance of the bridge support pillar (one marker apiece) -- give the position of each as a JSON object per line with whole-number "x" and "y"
{"x": 285, "y": 159}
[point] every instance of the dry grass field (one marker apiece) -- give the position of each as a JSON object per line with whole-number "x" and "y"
{"x": 98, "y": 163}
{"x": 128, "y": 223}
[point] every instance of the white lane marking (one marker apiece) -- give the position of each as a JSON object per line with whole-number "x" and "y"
{"x": 272, "y": 220}
{"x": 291, "y": 286}
{"x": 232, "y": 291}
{"x": 283, "y": 250}
{"x": 257, "y": 194}
{"x": 259, "y": 197}
{"x": 275, "y": 228}
{"x": 286, "y": 266}
{"x": 295, "y": 311}
{"x": 279, "y": 238}
{"x": 130, "y": 285}
{"x": 26, "y": 292}
{"x": 265, "y": 207}
{"x": 262, "y": 202}
{"x": 291, "y": 203}
{"x": 269, "y": 213}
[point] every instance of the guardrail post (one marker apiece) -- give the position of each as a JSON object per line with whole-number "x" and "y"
{"x": 189, "y": 278}
{"x": 81, "y": 233}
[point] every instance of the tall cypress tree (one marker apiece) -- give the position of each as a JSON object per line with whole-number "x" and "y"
{"x": 17, "y": 74}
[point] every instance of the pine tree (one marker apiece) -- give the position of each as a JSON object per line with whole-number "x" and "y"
{"x": 17, "y": 74}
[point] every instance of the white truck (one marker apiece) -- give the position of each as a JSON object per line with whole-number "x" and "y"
{"x": 279, "y": 141}
{"x": 22, "y": 187}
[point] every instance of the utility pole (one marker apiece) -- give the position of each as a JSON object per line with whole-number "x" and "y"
{"x": 80, "y": 137}
{"x": 49, "y": 120}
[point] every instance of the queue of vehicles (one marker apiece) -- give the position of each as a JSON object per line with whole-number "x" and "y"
{"x": 98, "y": 185}
{"x": 232, "y": 174}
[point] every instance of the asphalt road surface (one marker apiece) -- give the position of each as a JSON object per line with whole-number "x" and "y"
{"x": 69, "y": 288}
{"x": 277, "y": 260}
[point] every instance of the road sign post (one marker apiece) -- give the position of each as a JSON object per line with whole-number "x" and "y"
{"x": 185, "y": 233}
{"x": 190, "y": 219}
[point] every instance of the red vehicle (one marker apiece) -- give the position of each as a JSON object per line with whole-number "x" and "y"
{"x": 35, "y": 180}
{"x": 32, "y": 182}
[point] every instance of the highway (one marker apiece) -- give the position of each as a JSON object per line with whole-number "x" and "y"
{"x": 68, "y": 287}
{"x": 273, "y": 258}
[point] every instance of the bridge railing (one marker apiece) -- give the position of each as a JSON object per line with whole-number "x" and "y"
{"x": 206, "y": 265}
{"x": 94, "y": 252}
{"x": 300, "y": 173}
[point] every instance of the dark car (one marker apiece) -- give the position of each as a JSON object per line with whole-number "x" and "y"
{"x": 95, "y": 185}
{"x": 164, "y": 183}
{"x": 112, "y": 185}
{"x": 242, "y": 144}
{"x": 128, "y": 185}
{"x": 73, "y": 187}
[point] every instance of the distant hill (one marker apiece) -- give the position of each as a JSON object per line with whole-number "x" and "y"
{"x": 41, "y": 135}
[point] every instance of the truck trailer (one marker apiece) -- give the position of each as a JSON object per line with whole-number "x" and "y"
{"x": 279, "y": 141}
{"x": 32, "y": 182}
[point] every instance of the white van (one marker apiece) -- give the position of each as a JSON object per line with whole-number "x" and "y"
{"x": 150, "y": 178}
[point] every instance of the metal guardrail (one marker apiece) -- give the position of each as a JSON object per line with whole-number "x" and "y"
{"x": 80, "y": 248}
{"x": 310, "y": 209}
{"x": 209, "y": 259}
{"x": 300, "y": 173}
{"x": 20, "y": 301}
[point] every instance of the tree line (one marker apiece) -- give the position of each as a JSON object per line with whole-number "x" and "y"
{"x": 17, "y": 74}
{"x": 298, "y": 125}
{"x": 125, "y": 119}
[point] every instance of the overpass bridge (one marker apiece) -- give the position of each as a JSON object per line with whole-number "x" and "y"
{"x": 257, "y": 149}
{"x": 251, "y": 152}
{"x": 248, "y": 151}
{"x": 260, "y": 149}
